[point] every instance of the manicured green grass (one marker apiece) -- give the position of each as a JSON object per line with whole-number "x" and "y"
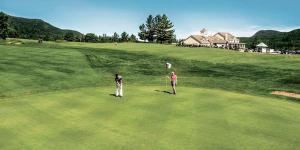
{"x": 58, "y": 96}
{"x": 196, "y": 118}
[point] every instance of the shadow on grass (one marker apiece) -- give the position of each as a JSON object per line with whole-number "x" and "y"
{"x": 166, "y": 92}
{"x": 114, "y": 95}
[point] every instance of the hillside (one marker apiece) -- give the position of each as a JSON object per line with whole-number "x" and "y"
{"x": 275, "y": 39}
{"x": 267, "y": 33}
{"x": 35, "y": 29}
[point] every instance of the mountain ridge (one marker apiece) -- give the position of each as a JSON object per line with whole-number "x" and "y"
{"x": 20, "y": 27}
{"x": 274, "y": 39}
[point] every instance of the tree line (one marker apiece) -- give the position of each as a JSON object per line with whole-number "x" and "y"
{"x": 3, "y": 25}
{"x": 93, "y": 38}
{"x": 16, "y": 27}
{"x": 278, "y": 40}
{"x": 157, "y": 29}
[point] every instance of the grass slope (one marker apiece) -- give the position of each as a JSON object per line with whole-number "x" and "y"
{"x": 58, "y": 96}
{"x": 70, "y": 65}
{"x": 90, "y": 118}
{"x": 27, "y": 70}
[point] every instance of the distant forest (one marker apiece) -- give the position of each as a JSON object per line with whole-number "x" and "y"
{"x": 18, "y": 27}
{"x": 156, "y": 29}
{"x": 274, "y": 39}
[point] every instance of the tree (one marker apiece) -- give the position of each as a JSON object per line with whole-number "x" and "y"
{"x": 12, "y": 33}
{"x": 151, "y": 28}
{"x": 254, "y": 43}
{"x": 3, "y": 25}
{"x": 174, "y": 39}
{"x": 91, "y": 37}
{"x": 164, "y": 29}
{"x": 69, "y": 36}
{"x": 106, "y": 39}
{"x": 157, "y": 29}
{"x": 133, "y": 38}
{"x": 124, "y": 37}
{"x": 115, "y": 37}
{"x": 46, "y": 38}
{"x": 147, "y": 30}
{"x": 143, "y": 33}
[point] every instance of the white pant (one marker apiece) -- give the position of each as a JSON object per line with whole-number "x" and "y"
{"x": 119, "y": 91}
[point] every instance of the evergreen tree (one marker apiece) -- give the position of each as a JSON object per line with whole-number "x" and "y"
{"x": 133, "y": 38}
{"x": 124, "y": 37}
{"x": 3, "y": 25}
{"x": 143, "y": 33}
{"x": 115, "y": 37}
{"x": 164, "y": 29}
{"x": 157, "y": 29}
{"x": 150, "y": 34}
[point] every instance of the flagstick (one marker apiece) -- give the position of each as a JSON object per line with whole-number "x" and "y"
{"x": 166, "y": 82}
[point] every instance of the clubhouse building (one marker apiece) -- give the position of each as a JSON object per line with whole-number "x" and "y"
{"x": 218, "y": 40}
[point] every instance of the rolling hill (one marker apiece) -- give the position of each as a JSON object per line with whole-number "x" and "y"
{"x": 35, "y": 29}
{"x": 275, "y": 39}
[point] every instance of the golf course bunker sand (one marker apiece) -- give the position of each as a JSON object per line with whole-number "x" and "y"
{"x": 288, "y": 94}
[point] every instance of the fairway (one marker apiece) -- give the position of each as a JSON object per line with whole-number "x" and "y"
{"x": 60, "y": 96}
{"x": 90, "y": 118}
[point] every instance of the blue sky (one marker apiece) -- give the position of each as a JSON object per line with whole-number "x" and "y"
{"x": 240, "y": 17}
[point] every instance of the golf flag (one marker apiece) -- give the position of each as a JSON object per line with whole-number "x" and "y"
{"x": 168, "y": 66}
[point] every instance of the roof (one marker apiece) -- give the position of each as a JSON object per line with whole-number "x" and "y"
{"x": 199, "y": 38}
{"x": 218, "y": 38}
{"x": 226, "y": 35}
{"x": 262, "y": 45}
{"x": 214, "y": 39}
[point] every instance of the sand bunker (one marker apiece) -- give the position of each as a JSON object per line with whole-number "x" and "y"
{"x": 288, "y": 94}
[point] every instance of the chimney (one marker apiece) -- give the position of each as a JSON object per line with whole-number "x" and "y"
{"x": 203, "y": 32}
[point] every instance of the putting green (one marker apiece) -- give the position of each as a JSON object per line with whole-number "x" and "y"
{"x": 147, "y": 118}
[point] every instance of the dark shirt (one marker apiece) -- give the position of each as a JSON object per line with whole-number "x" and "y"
{"x": 118, "y": 79}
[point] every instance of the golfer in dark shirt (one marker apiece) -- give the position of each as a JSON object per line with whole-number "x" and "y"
{"x": 118, "y": 80}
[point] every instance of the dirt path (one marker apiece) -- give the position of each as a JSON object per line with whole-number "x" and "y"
{"x": 288, "y": 94}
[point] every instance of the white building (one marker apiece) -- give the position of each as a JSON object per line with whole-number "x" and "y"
{"x": 262, "y": 47}
{"x": 197, "y": 40}
{"x": 220, "y": 40}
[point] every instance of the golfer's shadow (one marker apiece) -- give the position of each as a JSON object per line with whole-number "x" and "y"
{"x": 167, "y": 92}
{"x": 114, "y": 95}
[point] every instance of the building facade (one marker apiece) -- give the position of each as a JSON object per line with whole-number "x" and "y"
{"x": 218, "y": 40}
